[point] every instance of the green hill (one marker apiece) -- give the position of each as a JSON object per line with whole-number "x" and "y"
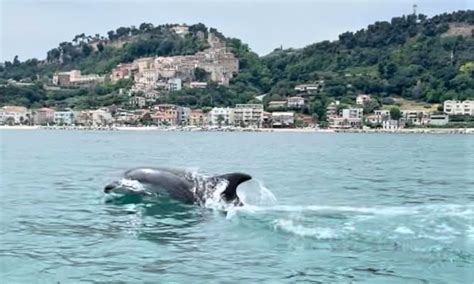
{"x": 413, "y": 57}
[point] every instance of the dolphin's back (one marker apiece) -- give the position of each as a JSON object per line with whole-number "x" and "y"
{"x": 164, "y": 181}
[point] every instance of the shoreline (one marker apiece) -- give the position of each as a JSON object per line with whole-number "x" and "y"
{"x": 279, "y": 130}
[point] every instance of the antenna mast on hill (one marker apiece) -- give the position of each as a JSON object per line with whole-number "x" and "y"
{"x": 414, "y": 9}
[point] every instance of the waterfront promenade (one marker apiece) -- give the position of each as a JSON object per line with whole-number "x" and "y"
{"x": 240, "y": 129}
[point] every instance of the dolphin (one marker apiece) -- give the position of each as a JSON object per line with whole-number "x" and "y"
{"x": 179, "y": 184}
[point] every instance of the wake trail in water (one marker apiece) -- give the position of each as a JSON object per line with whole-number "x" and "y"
{"x": 433, "y": 222}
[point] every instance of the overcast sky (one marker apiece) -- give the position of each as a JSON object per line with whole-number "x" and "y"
{"x": 29, "y": 28}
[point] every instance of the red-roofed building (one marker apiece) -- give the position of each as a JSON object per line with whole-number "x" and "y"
{"x": 164, "y": 118}
{"x": 14, "y": 115}
{"x": 197, "y": 118}
{"x": 43, "y": 116}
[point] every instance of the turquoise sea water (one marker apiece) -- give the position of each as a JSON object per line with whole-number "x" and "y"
{"x": 361, "y": 208}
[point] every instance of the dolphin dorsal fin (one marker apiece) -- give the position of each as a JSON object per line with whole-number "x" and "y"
{"x": 234, "y": 179}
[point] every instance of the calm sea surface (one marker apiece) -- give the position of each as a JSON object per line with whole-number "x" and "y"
{"x": 362, "y": 208}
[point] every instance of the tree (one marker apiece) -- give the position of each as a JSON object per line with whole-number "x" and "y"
{"x": 395, "y": 113}
{"x": 16, "y": 62}
{"x": 146, "y": 119}
{"x": 200, "y": 74}
{"x": 111, "y": 35}
{"x": 370, "y": 106}
{"x": 220, "y": 119}
{"x": 145, "y": 27}
{"x": 86, "y": 49}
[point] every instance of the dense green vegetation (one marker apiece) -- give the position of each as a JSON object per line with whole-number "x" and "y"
{"x": 78, "y": 98}
{"x": 411, "y": 56}
{"x": 414, "y": 57}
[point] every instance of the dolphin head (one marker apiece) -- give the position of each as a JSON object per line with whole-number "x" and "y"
{"x": 125, "y": 187}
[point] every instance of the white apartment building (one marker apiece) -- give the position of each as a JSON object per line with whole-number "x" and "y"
{"x": 13, "y": 114}
{"x": 439, "y": 119}
{"x": 221, "y": 116}
{"x": 459, "y": 107}
{"x": 248, "y": 114}
{"x": 416, "y": 117}
{"x": 352, "y": 113}
{"x": 295, "y": 102}
{"x": 64, "y": 117}
{"x": 307, "y": 87}
{"x": 174, "y": 84}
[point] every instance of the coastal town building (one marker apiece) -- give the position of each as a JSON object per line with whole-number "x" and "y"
{"x": 183, "y": 115}
{"x": 75, "y": 78}
{"x": 283, "y": 119}
{"x": 43, "y": 116}
{"x": 137, "y": 101}
{"x": 295, "y": 102}
{"x": 308, "y": 87}
{"x": 361, "y": 99}
{"x": 439, "y": 119}
{"x": 344, "y": 123}
{"x": 306, "y": 120}
{"x": 352, "y": 113}
{"x": 198, "y": 85}
{"x": 64, "y": 117}
{"x": 248, "y": 114}
{"x": 174, "y": 84}
{"x": 167, "y": 118}
{"x": 197, "y": 118}
{"x": 101, "y": 116}
{"x": 415, "y": 117}
{"x": 351, "y": 118}
{"x": 331, "y": 109}
{"x": 166, "y": 114}
{"x": 392, "y": 124}
{"x": 277, "y": 104}
{"x": 459, "y": 107}
{"x": 221, "y": 116}
{"x": 378, "y": 117}
{"x": 122, "y": 71}
{"x": 14, "y": 115}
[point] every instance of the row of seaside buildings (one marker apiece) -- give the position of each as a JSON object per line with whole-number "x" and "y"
{"x": 244, "y": 115}
{"x": 353, "y": 117}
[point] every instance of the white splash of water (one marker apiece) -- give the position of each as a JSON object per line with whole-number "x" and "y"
{"x": 289, "y": 226}
{"x": 260, "y": 196}
{"x": 213, "y": 199}
{"x": 404, "y": 230}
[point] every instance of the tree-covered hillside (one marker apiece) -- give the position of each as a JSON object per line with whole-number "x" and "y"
{"x": 410, "y": 56}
